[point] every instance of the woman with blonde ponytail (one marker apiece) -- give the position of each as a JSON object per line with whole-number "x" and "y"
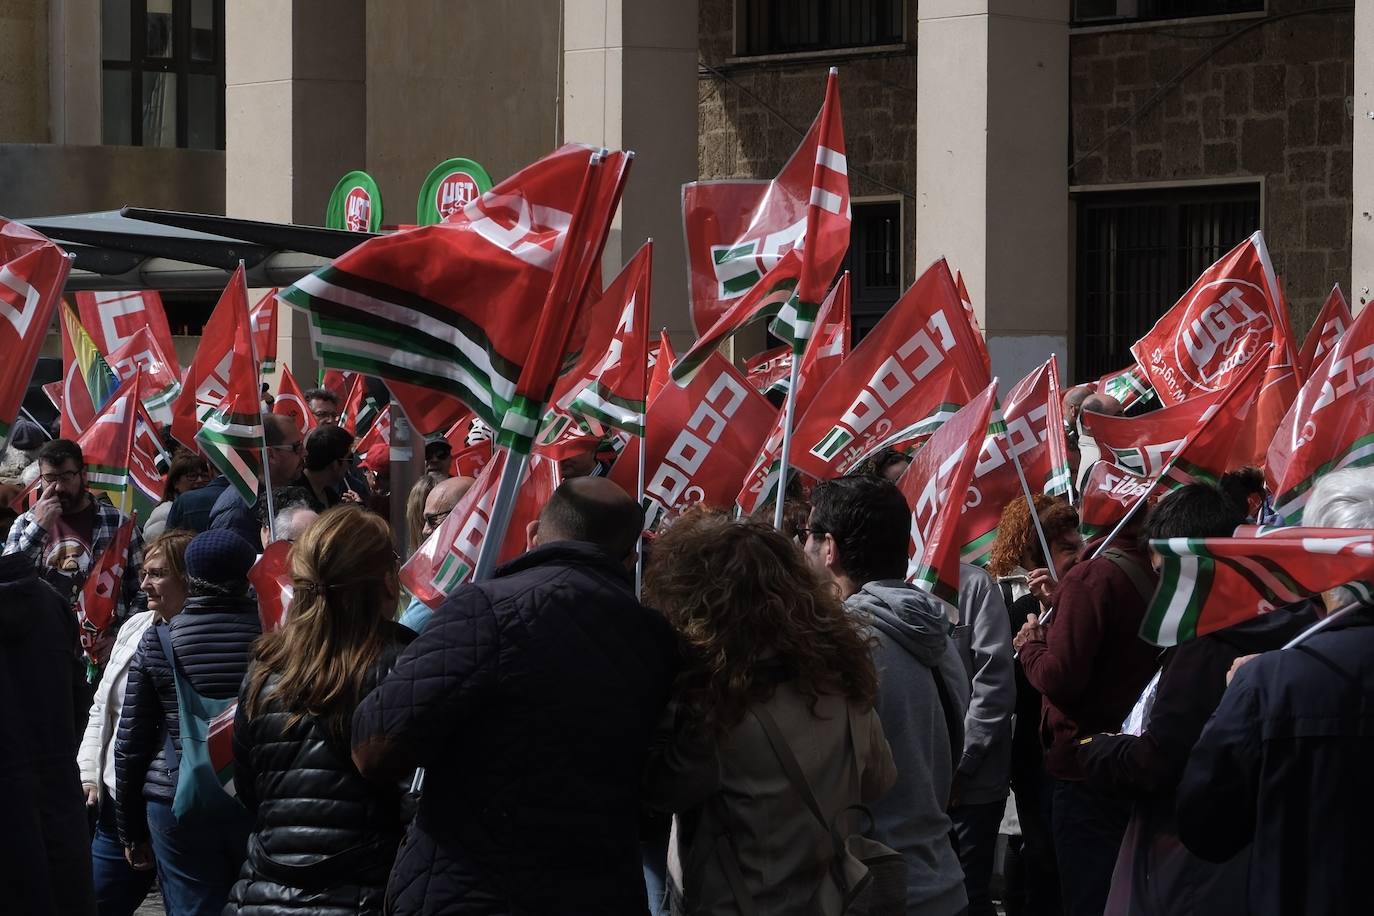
{"x": 325, "y": 837}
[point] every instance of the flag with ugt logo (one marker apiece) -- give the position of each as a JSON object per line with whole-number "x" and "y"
{"x": 1331, "y": 423}
{"x": 453, "y": 307}
{"x": 1211, "y": 334}
{"x": 99, "y": 596}
{"x": 231, "y": 434}
{"x": 738, "y": 231}
{"x": 935, "y": 485}
{"x": 290, "y": 402}
{"x": 1108, "y": 494}
{"x": 698, "y": 444}
{"x": 88, "y": 381}
{"x": 448, "y": 557}
{"x": 1332, "y": 322}
{"x": 892, "y": 381}
{"x": 1208, "y": 584}
{"x": 32, "y": 273}
{"x": 1023, "y": 433}
{"x": 821, "y": 359}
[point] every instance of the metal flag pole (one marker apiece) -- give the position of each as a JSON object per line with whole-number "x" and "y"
{"x": 789, "y": 409}
{"x": 516, "y": 462}
{"x": 1135, "y": 507}
{"x": 639, "y": 501}
{"x": 1035, "y": 516}
{"x": 1335, "y": 616}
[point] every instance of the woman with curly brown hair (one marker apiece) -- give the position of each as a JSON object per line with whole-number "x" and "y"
{"x": 774, "y": 667}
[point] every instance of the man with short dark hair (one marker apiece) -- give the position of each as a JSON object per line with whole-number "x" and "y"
{"x": 68, "y": 528}
{"x": 328, "y": 450}
{"x": 558, "y": 675}
{"x": 859, "y": 533}
{"x": 324, "y": 404}
{"x": 284, "y": 448}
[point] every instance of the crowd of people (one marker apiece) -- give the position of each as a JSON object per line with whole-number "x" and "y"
{"x": 780, "y": 723}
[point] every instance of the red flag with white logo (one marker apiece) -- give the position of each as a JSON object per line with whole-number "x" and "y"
{"x": 935, "y": 485}
{"x": 699, "y": 442}
{"x": 112, "y": 318}
{"x": 378, "y": 433}
{"x": 32, "y": 273}
{"x": 290, "y": 402}
{"x": 1331, "y": 323}
{"x": 161, "y": 379}
{"x": 889, "y": 383}
{"x": 448, "y": 557}
{"x": 1216, "y": 328}
{"x": 1331, "y": 422}
{"x": 1108, "y": 494}
{"x": 769, "y": 370}
{"x": 271, "y": 578}
{"x": 99, "y": 596}
{"x": 207, "y": 381}
{"x": 263, "y": 317}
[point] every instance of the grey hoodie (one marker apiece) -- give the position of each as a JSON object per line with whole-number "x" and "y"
{"x": 914, "y": 647}
{"x": 983, "y": 641}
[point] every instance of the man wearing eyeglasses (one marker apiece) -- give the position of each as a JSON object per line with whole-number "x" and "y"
{"x": 438, "y": 505}
{"x": 68, "y": 529}
{"x": 284, "y": 467}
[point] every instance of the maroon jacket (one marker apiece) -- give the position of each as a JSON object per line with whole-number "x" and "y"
{"x": 1093, "y": 664}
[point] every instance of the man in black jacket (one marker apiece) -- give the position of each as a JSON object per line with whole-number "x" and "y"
{"x": 529, "y": 700}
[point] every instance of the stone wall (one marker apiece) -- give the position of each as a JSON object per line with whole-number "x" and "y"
{"x": 1270, "y": 104}
{"x": 738, "y": 137}
{"x": 24, "y": 71}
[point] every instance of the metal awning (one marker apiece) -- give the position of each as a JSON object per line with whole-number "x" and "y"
{"x": 134, "y": 248}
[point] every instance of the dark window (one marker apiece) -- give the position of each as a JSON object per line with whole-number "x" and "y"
{"x": 163, "y": 72}
{"x": 783, "y": 26}
{"x": 1099, "y": 12}
{"x": 1138, "y": 252}
{"x": 874, "y": 262}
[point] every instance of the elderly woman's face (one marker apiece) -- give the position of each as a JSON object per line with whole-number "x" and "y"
{"x": 165, "y": 590}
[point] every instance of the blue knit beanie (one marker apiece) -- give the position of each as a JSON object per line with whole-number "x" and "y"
{"x": 219, "y": 557}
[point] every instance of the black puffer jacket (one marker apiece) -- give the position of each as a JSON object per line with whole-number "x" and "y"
{"x": 212, "y": 638}
{"x": 530, "y": 700}
{"x": 325, "y": 838}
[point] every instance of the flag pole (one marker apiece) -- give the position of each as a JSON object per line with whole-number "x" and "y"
{"x": 262, "y": 423}
{"x": 639, "y": 501}
{"x": 789, "y": 409}
{"x": 1127, "y": 517}
{"x": 1035, "y": 516}
{"x": 504, "y": 507}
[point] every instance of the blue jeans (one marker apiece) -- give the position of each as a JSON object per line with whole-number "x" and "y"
{"x": 119, "y": 888}
{"x": 1088, "y": 826}
{"x": 197, "y": 864}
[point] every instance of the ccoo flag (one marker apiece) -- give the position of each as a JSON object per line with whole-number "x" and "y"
{"x": 1331, "y": 323}
{"x": 32, "y": 273}
{"x": 161, "y": 383}
{"x": 113, "y": 317}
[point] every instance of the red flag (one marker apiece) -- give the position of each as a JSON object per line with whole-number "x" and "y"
{"x": 890, "y": 381}
{"x": 822, "y": 358}
{"x": 379, "y": 433}
{"x": 338, "y": 381}
{"x": 161, "y": 381}
{"x": 107, "y": 446}
{"x": 979, "y": 339}
{"x": 99, "y": 596}
{"x": 470, "y": 440}
{"x": 1127, "y": 386}
{"x": 767, "y": 369}
{"x": 1331, "y": 422}
{"x": 353, "y": 404}
{"x": 1209, "y": 449}
{"x": 1024, "y": 434}
{"x": 429, "y": 411}
{"x": 1278, "y": 389}
{"x": 941, "y": 469}
{"x": 1209, "y": 584}
{"x": 263, "y": 317}
{"x": 698, "y": 443}
{"x": 1211, "y": 334}
{"x": 223, "y": 349}
{"x": 661, "y": 359}
{"x": 32, "y": 273}
{"x": 290, "y": 402}
{"x": 114, "y": 317}
{"x": 88, "y": 380}
{"x": 738, "y": 231}
{"x": 448, "y": 557}
{"x": 271, "y": 578}
{"x": 1143, "y": 444}
{"x": 1108, "y": 494}
{"x": 1331, "y": 323}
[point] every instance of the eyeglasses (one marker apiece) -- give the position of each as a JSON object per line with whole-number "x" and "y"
{"x": 434, "y": 520}
{"x": 61, "y": 477}
{"x": 323, "y": 415}
{"x": 294, "y": 448}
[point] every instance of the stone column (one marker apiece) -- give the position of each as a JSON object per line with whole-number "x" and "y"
{"x": 295, "y": 121}
{"x": 1362, "y": 235}
{"x": 630, "y": 82}
{"x": 991, "y": 167}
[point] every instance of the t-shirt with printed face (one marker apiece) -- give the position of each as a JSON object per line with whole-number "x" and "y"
{"x": 68, "y": 554}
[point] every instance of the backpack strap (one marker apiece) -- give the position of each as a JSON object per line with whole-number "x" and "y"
{"x": 783, "y": 751}
{"x": 172, "y": 760}
{"x": 1133, "y": 570}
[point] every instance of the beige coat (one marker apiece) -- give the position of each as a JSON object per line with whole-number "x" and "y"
{"x": 783, "y": 853}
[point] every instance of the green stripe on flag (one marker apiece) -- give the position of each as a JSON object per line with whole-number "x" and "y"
{"x": 233, "y": 443}
{"x": 1289, "y": 504}
{"x": 598, "y": 403}
{"x": 979, "y": 549}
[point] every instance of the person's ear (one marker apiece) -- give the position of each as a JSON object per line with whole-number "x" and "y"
{"x": 532, "y": 535}
{"x": 830, "y": 552}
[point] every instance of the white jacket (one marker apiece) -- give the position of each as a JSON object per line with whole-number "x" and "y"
{"x": 104, "y": 721}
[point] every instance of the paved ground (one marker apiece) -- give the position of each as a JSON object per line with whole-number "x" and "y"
{"x": 152, "y": 906}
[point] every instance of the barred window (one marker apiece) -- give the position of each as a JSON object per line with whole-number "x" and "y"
{"x": 789, "y": 26}
{"x": 1102, "y": 12}
{"x": 874, "y": 262}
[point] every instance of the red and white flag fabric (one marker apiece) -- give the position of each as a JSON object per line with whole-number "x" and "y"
{"x": 615, "y": 392}
{"x": 448, "y": 557}
{"x": 661, "y": 358}
{"x": 223, "y": 344}
{"x": 460, "y": 307}
{"x": 891, "y": 381}
{"x": 1208, "y": 337}
{"x": 430, "y": 412}
{"x": 1145, "y": 443}
{"x": 107, "y": 446}
{"x": 769, "y": 371}
{"x": 337, "y": 381}
{"x": 1209, "y": 449}
{"x": 290, "y": 402}
{"x": 1108, "y": 494}
{"x": 1127, "y": 386}
{"x": 378, "y": 433}
{"x": 1278, "y": 390}
{"x": 354, "y": 405}
{"x": 112, "y": 318}
{"x": 698, "y": 443}
{"x": 32, "y": 273}
{"x": 161, "y": 379}
{"x": 935, "y": 485}
{"x": 263, "y": 317}
{"x": 979, "y": 340}
{"x": 1209, "y": 584}
{"x": 88, "y": 379}
{"x": 1331, "y": 323}
{"x": 822, "y": 358}
{"x": 1023, "y": 434}
{"x": 99, "y": 597}
{"x": 1331, "y": 422}
{"x": 738, "y": 231}
{"x": 271, "y": 579}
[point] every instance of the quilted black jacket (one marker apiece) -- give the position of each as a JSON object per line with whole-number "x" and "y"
{"x": 324, "y": 838}
{"x": 212, "y": 638}
{"x": 530, "y": 700}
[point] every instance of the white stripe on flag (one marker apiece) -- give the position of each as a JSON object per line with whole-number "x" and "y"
{"x": 822, "y": 198}
{"x": 831, "y": 159}
{"x": 1184, "y": 588}
{"x": 406, "y": 360}
{"x": 521, "y": 425}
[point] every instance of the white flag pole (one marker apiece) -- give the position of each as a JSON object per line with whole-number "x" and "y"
{"x": 1035, "y": 516}
{"x": 788, "y": 411}
{"x": 1335, "y": 616}
{"x": 500, "y": 514}
{"x": 639, "y": 501}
